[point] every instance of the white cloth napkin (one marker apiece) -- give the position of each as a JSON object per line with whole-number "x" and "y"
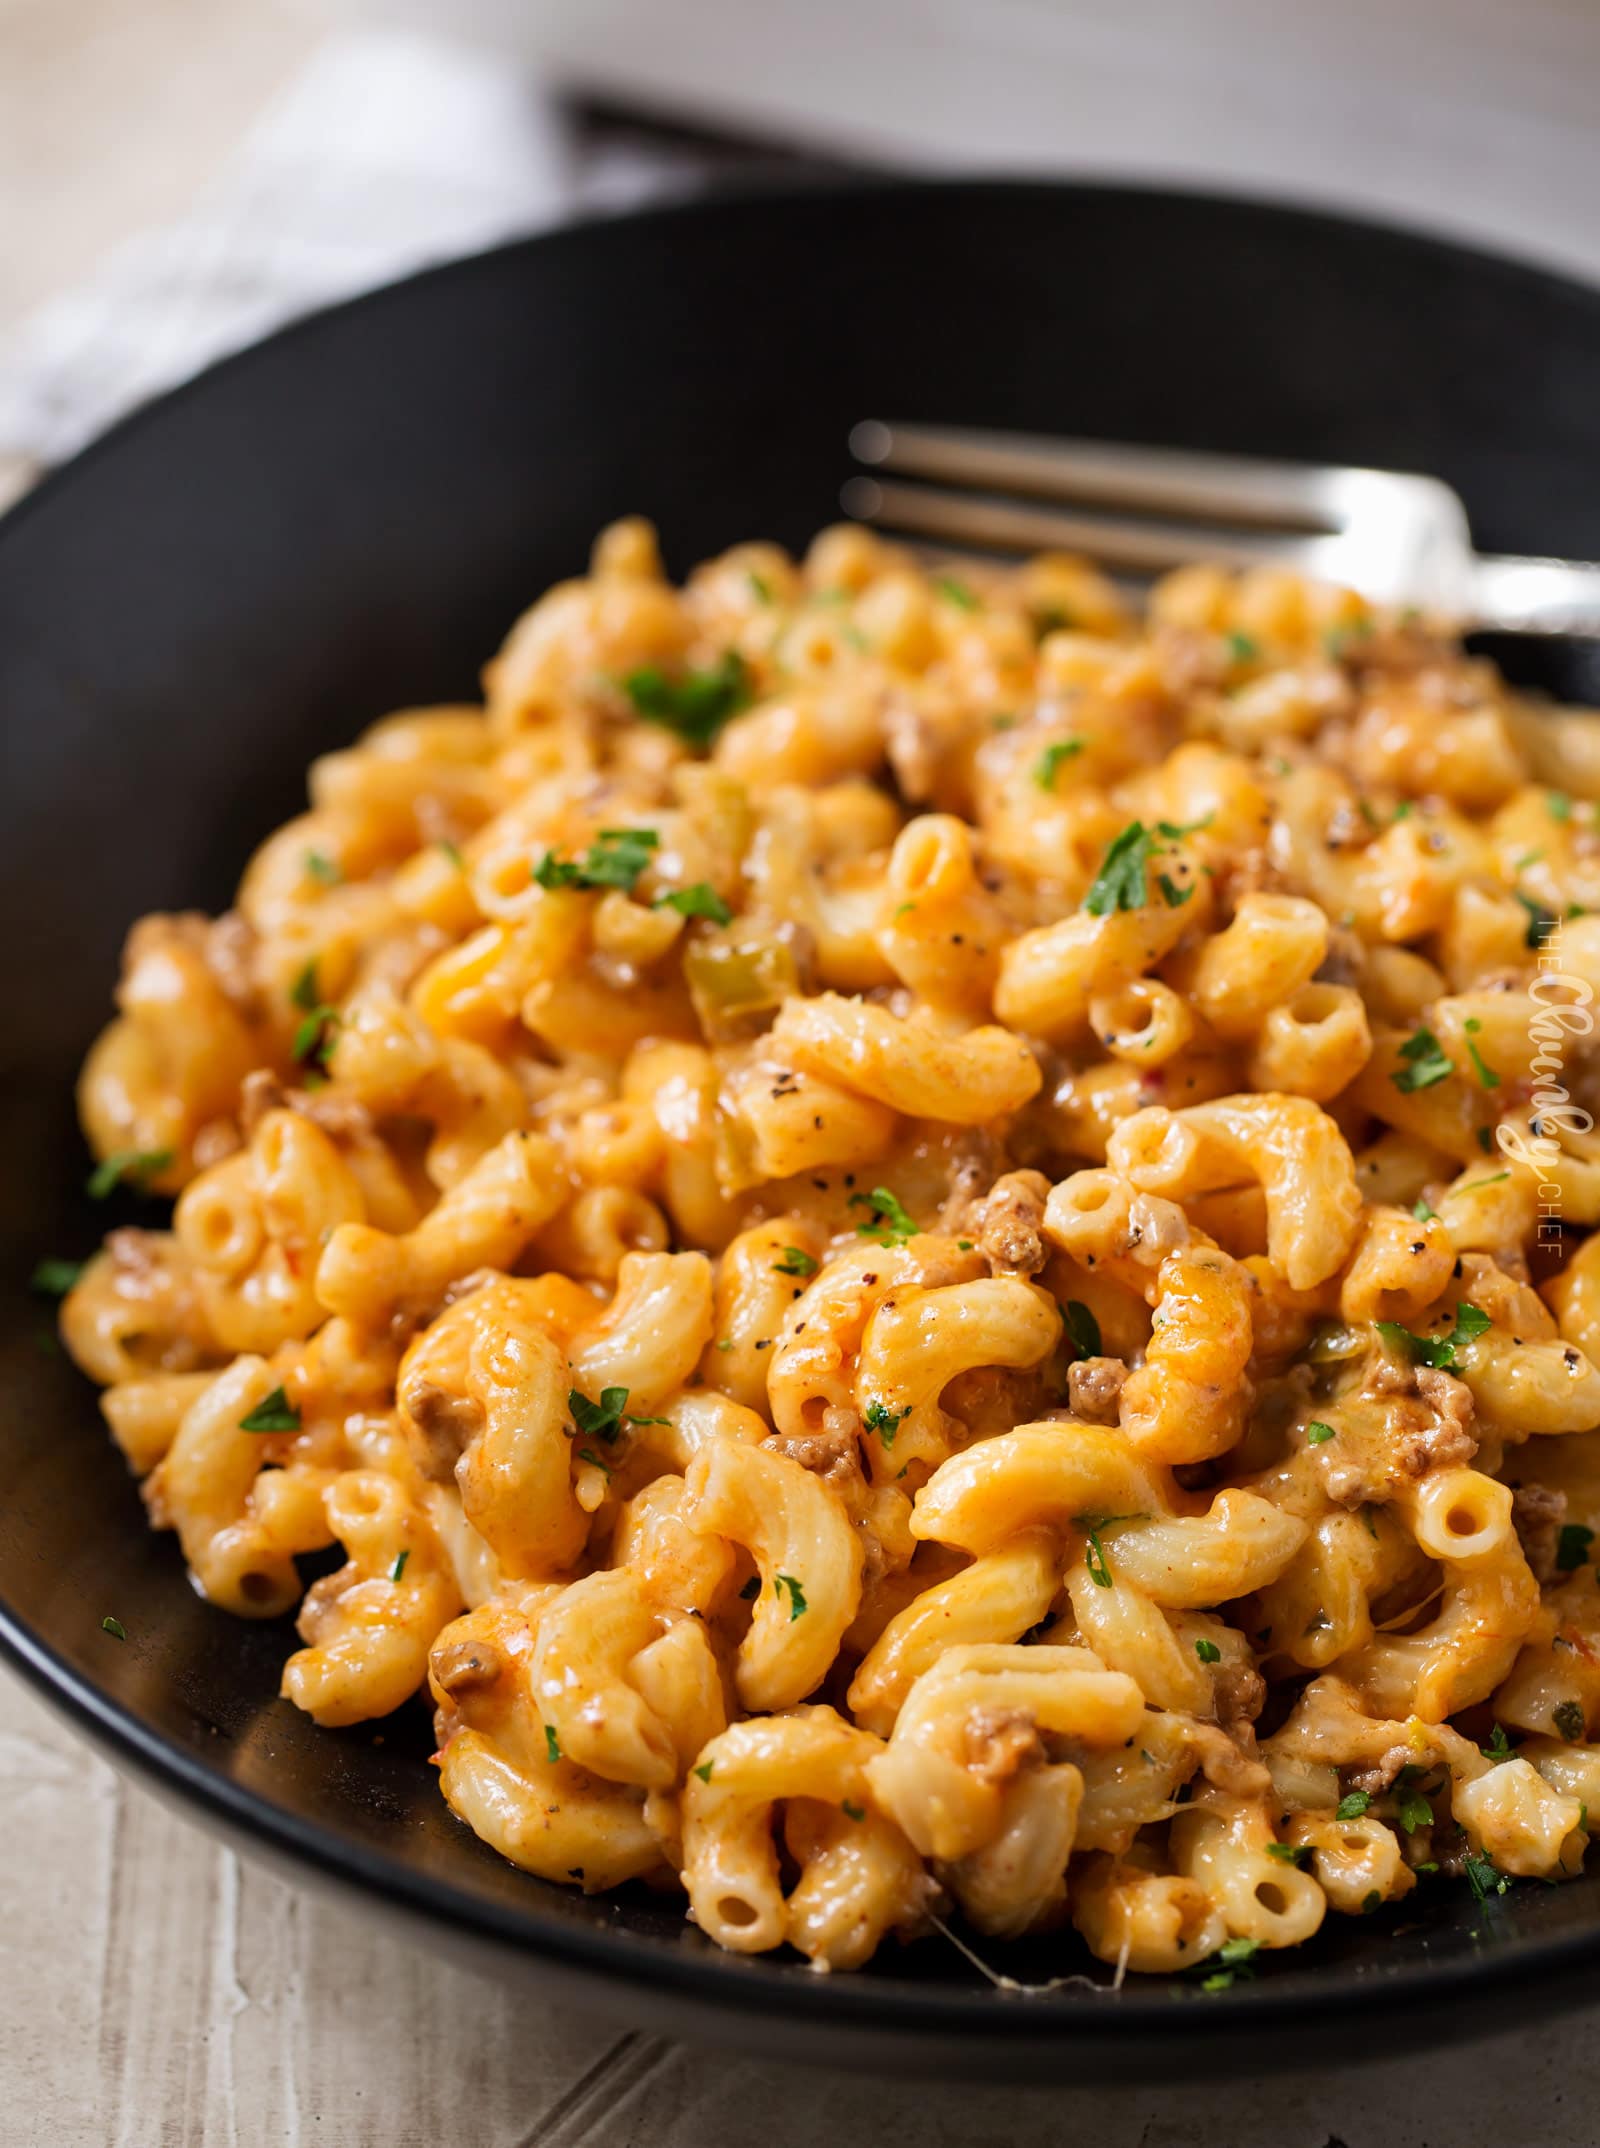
{"x": 391, "y": 149}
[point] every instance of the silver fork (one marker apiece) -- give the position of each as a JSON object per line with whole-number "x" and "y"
{"x": 1397, "y": 539}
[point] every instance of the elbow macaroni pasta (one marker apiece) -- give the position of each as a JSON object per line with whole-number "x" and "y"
{"x": 924, "y": 1240}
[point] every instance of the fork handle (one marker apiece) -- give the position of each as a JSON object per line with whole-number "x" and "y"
{"x": 1536, "y": 596}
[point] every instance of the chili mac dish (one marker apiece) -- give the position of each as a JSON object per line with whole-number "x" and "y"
{"x": 927, "y": 1241}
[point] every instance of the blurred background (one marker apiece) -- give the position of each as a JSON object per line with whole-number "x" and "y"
{"x": 180, "y": 175}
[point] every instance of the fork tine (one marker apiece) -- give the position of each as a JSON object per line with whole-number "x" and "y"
{"x": 1009, "y": 526}
{"x": 1165, "y": 480}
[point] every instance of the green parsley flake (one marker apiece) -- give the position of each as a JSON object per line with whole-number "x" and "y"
{"x": 1567, "y": 1716}
{"x": 552, "y": 1745}
{"x": 1317, "y": 1432}
{"x": 323, "y": 869}
{"x": 1352, "y": 1805}
{"x": 273, "y": 1413}
{"x": 303, "y": 992}
{"x": 1289, "y": 1853}
{"x": 1499, "y": 1745}
{"x": 614, "y": 860}
{"x": 704, "y": 1770}
{"x": 1414, "y": 1811}
{"x": 1540, "y": 920}
{"x": 1572, "y": 1547}
{"x": 1426, "y": 1060}
{"x": 879, "y": 1418}
{"x": 1120, "y": 883}
{"x": 315, "y": 1037}
{"x": 695, "y": 706}
{"x": 587, "y": 1454}
{"x": 453, "y": 852}
{"x": 1243, "y": 648}
{"x": 1094, "y": 1556}
{"x": 793, "y": 1261}
{"x": 1171, "y": 894}
{"x": 797, "y": 1595}
{"x": 399, "y": 1567}
{"x": 1478, "y": 1184}
{"x": 1422, "y": 1212}
{"x": 1438, "y": 1350}
{"x": 604, "y": 1419}
{"x": 1484, "y": 1877}
{"x": 956, "y": 592}
{"x": 701, "y": 900}
{"x": 1044, "y": 769}
{"x": 889, "y": 1223}
{"x": 127, "y": 1166}
{"x": 1082, "y": 1327}
{"x": 760, "y": 587}
{"x": 1559, "y": 805}
{"x": 1208, "y": 1651}
{"x": 1485, "y": 1073}
{"x": 115, "y": 1628}
{"x": 54, "y": 1278}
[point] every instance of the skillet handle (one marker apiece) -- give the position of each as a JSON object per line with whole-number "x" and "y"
{"x": 1536, "y": 596}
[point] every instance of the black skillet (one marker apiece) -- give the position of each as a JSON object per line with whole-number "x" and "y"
{"x": 343, "y": 521}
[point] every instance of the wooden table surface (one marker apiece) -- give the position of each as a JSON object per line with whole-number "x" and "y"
{"x": 157, "y": 1993}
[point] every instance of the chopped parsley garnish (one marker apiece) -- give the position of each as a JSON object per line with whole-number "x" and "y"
{"x": 1567, "y": 1716}
{"x": 1498, "y": 1747}
{"x": 1484, "y": 1877}
{"x": 1414, "y": 1811}
{"x": 1352, "y": 1805}
{"x": 552, "y": 1744}
{"x": 1171, "y": 894}
{"x": 1236, "y": 1955}
{"x": 1437, "y": 1350}
{"x": 399, "y": 1567}
{"x": 127, "y": 1166}
{"x": 1426, "y": 1062}
{"x": 1485, "y": 1073}
{"x": 851, "y": 1810}
{"x": 1120, "y": 882}
{"x": 889, "y": 1223}
{"x": 303, "y": 992}
{"x": 1094, "y": 1556}
{"x": 614, "y": 860}
{"x": 793, "y": 1261}
{"x": 1422, "y": 1212}
{"x": 323, "y": 868}
{"x": 1540, "y": 919}
{"x": 1208, "y": 1651}
{"x": 1044, "y": 769}
{"x": 115, "y": 1628}
{"x": 1243, "y": 648}
{"x": 1572, "y": 1547}
{"x": 698, "y": 704}
{"x": 1559, "y": 804}
{"x": 1083, "y": 1328}
{"x": 760, "y": 587}
{"x": 604, "y": 1419}
{"x": 797, "y": 1595}
{"x": 701, "y": 900}
{"x": 1317, "y": 1432}
{"x": 314, "y": 1038}
{"x": 704, "y": 1770}
{"x": 587, "y": 1454}
{"x": 54, "y": 1278}
{"x": 957, "y": 592}
{"x": 453, "y": 852}
{"x": 885, "y": 1422}
{"x": 1289, "y": 1853}
{"x": 273, "y": 1413}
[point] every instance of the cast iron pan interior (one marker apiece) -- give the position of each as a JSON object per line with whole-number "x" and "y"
{"x": 344, "y": 521}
